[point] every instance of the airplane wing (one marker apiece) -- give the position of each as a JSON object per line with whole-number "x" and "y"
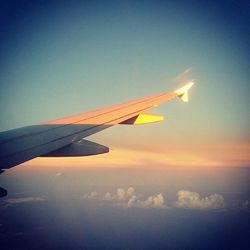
{"x": 64, "y": 137}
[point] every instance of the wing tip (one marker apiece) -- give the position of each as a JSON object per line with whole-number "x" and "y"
{"x": 183, "y": 91}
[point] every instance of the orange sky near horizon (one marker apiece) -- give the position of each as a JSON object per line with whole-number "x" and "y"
{"x": 194, "y": 154}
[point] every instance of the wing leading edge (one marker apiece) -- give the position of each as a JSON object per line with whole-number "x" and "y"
{"x": 61, "y": 137}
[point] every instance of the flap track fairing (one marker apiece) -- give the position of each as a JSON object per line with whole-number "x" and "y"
{"x": 80, "y": 148}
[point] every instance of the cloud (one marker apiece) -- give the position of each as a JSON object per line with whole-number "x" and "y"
{"x": 58, "y": 174}
{"x": 187, "y": 70}
{"x": 108, "y": 197}
{"x": 192, "y": 200}
{"x": 131, "y": 201}
{"x": 154, "y": 201}
{"x": 90, "y": 195}
{"x": 183, "y": 76}
{"x": 24, "y": 199}
{"x": 130, "y": 192}
{"x": 128, "y": 198}
{"x": 120, "y": 194}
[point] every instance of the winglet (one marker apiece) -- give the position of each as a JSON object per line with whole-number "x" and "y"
{"x": 183, "y": 91}
{"x": 143, "y": 118}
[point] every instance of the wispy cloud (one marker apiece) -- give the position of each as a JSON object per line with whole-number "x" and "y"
{"x": 192, "y": 200}
{"x": 90, "y": 195}
{"x": 58, "y": 174}
{"x": 24, "y": 199}
{"x": 184, "y": 75}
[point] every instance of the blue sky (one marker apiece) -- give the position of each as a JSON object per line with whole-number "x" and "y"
{"x": 60, "y": 59}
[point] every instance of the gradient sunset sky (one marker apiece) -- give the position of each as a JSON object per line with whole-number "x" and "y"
{"x": 179, "y": 184}
{"x": 59, "y": 59}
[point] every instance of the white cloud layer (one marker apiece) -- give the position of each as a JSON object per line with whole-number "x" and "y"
{"x": 192, "y": 200}
{"x": 128, "y": 198}
{"x": 185, "y": 199}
